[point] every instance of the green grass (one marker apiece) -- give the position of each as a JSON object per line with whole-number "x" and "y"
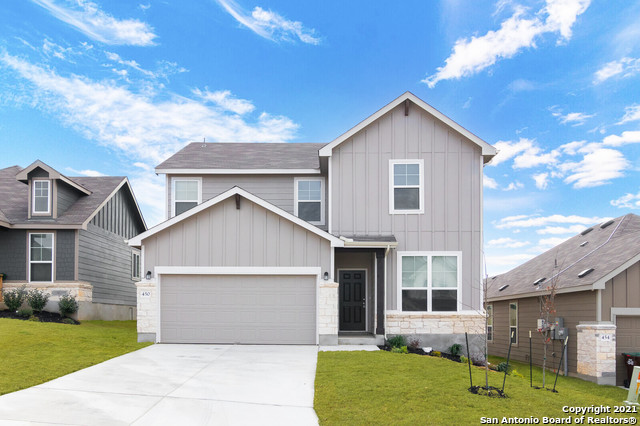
{"x": 36, "y": 352}
{"x": 388, "y": 388}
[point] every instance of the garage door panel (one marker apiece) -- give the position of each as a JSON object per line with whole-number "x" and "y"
{"x": 238, "y": 309}
{"x": 627, "y": 340}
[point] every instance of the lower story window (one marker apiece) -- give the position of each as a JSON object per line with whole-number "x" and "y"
{"x": 513, "y": 322}
{"x": 490, "y": 323}
{"x": 430, "y": 282}
{"x": 135, "y": 264}
{"x": 41, "y": 257}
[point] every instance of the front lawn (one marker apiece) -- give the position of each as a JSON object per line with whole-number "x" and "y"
{"x": 36, "y": 352}
{"x": 389, "y": 388}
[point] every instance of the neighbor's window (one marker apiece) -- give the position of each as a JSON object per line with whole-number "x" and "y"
{"x": 186, "y": 194}
{"x": 490, "y": 323}
{"x": 41, "y": 194}
{"x": 430, "y": 282}
{"x": 135, "y": 264}
{"x": 41, "y": 257}
{"x": 309, "y": 200}
{"x": 405, "y": 186}
{"x": 513, "y": 322}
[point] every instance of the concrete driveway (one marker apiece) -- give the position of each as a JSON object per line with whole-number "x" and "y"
{"x": 177, "y": 385}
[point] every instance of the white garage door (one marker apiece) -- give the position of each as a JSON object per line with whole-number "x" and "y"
{"x": 627, "y": 340}
{"x": 251, "y": 309}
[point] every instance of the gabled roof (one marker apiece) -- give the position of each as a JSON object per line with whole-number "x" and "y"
{"x": 488, "y": 151}
{"x": 53, "y": 174}
{"x": 608, "y": 249}
{"x": 235, "y": 158}
{"x": 137, "y": 240}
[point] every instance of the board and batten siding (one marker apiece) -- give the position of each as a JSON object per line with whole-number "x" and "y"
{"x": 66, "y": 196}
{"x": 622, "y": 291}
{"x": 222, "y": 235}
{"x": 572, "y": 307}
{"x": 119, "y": 215}
{"x": 452, "y": 218}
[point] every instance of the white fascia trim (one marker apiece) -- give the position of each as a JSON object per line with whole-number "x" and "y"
{"x": 173, "y": 190}
{"x": 237, "y": 270}
{"x": 53, "y": 174}
{"x": 239, "y": 171}
{"x": 322, "y": 197}
{"x": 137, "y": 240}
{"x": 600, "y": 284}
{"x": 370, "y": 244}
{"x": 487, "y": 150}
{"x": 392, "y": 187}
{"x": 587, "y": 287}
{"x": 615, "y": 312}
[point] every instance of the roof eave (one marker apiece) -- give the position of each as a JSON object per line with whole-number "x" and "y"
{"x": 274, "y": 171}
{"x": 587, "y": 287}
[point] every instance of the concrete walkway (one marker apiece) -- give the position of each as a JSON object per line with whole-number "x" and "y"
{"x": 177, "y": 385}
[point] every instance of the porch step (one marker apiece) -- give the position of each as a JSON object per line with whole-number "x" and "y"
{"x": 357, "y": 340}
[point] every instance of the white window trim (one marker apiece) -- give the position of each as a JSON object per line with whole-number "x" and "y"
{"x": 53, "y": 255}
{"x": 136, "y": 252}
{"x": 515, "y": 302}
{"x": 322, "y": 197}
{"x": 33, "y": 197}
{"x": 173, "y": 190}
{"x": 392, "y": 209}
{"x": 490, "y": 325}
{"x": 429, "y": 287}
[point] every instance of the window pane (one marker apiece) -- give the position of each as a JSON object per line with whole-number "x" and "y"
{"x": 413, "y": 169}
{"x": 41, "y": 271}
{"x": 309, "y": 211}
{"x": 183, "y": 206}
{"x": 406, "y": 198}
{"x": 490, "y": 315}
{"x": 315, "y": 185}
{"x": 513, "y": 333}
{"x": 36, "y": 253}
{"x": 399, "y": 169}
{"x": 413, "y": 180}
{"x": 513, "y": 314}
{"x": 489, "y": 333}
{"x": 41, "y": 204}
{"x": 315, "y": 195}
{"x": 444, "y": 300}
{"x": 414, "y": 300}
{"x": 414, "y": 271}
{"x": 399, "y": 179}
{"x": 186, "y": 190}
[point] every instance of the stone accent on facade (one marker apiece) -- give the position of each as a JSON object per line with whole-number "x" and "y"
{"x": 81, "y": 290}
{"x": 597, "y": 352}
{"x": 409, "y": 323}
{"x": 147, "y": 309}
{"x": 328, "y": 310}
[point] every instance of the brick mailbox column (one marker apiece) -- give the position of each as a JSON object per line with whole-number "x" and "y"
{"x": 597, "y": 352}
{"x": 147, "y": 311}
{"x": 328, "y": 313}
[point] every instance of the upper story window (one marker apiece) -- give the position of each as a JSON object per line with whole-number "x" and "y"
{"x": 41, "y": 200}
{"x": 430, "y": 281}
{"x": 406, "y": 189}
{"x": 187, "y": 193}
{"x": 309, "y": 200}
{"x": 41, "y": 257}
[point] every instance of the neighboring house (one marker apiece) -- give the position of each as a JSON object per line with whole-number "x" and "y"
{"x": 376, "y": 233}
{"x": 68, "y": 235}
{"x": 598, "y": 297}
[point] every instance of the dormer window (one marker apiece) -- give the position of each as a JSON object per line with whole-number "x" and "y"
{"x": 187, "y": 193}
{"x": 309, "y": 200}
{"x": 41, "y": 201}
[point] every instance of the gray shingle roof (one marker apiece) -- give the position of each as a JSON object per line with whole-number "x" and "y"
{"x": 216, "y": 155}
{"x": 14, "y": 198}
{"x": 606, "y": 249}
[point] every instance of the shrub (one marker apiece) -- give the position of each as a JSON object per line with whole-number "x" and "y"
{"x": 455, "y": 349}
{"x": 516, "y": 373}
{"x": 414, "y": 342}
{"x": 25, "y": 312}
{"x": 464, "y": 359}
{"x": 37, "y": 299}
{"x": 34, "y": 318}
{"x": 67, "y": 305}
{"x": 400, "y": 350}
{"x": 14, "y": 298}
{"x": 436, "y": 353}
{"x": 502, "y": 367}
{"x": 68, "y": 321}
{"x": 397, "y": 341}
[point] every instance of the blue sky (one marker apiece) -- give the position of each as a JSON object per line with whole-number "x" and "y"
{"x": 115, "y": 87}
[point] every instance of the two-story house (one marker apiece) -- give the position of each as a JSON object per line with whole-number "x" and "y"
{"x": 68, "y": 235}
{"x": 376, "y": 233}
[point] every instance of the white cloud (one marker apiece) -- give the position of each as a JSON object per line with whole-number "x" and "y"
{"x": 542, "y": 180}
{"x": 507, "y": 243}
{"x": 509, "y": 149}
{"x": 518, "y": 32}
{"x": 129, "y": 63}
{"x": 534, "y": 157}
{"x": 631, "y": 113}
{"x": 98, "y": 25}
{"x": 573, "y": 118}
{"x": 624, "y": 139}
{"x": 596, "y": 168}
{"x": 87, "y": 172}
{"x": 627, "y": 201}
{"x": 571, "y": 148}
{"x": 525, "y": 152}
{"x": 625, "y": 67}
{"x": 532, "y": 221}
{"x": 513, "y": 186}
{"x": 488, "y": 182}
{"x": 225, "y": 100}
{"x": 52, "y": 49}
{"x": 146, "y": 187}
{"x": 560, "y": 230}
{"x": 270, "y": 25}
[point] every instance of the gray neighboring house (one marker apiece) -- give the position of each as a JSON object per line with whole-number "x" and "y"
{"x": 598, "y": 297}
{"x": 69, "y": 235}
{"x": 376, "y": 233}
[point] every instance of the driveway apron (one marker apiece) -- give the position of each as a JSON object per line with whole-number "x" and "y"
{"x": 177, "y": 385}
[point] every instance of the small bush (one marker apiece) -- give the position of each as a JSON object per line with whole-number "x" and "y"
{"x": 34, "y": 318}
{"x": 464, "y": 359}
{"x": 14, "y": 298}
{"x": 436, "y": 353}
{"x": 414, "y": 342}
{"x": 37, "y": 299}
{"x": 515, "y": 373}
{"x": 25, "y": 312}
{"x": 68, "y": 321}
{"x": 67, "y": 305}
{"x": 397, "y": 341}
{"x": 400, "y": 350}
{"x": 502, "y": 367}
{"x": 455, "y": 349}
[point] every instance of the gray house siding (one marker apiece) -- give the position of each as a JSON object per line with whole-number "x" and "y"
{"x": 65, "y": 241}
{"x": 66, "y": 196}
{"x": 13, "y": 254}
{"x": 225, "y": 236}
{"x": 622, "y": 291}
{"x": 104, "y": 260}
{"x": 119, "y": 216}
{"x": 452, "y": 218}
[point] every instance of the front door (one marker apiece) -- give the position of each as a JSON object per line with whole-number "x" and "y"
{"x": 352, "y": 300}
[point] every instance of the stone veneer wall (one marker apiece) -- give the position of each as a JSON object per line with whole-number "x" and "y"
{"x": 328, "y": 313}
{"x": 597, "y": 352}
{"x": 82, "y": 291}
{"x": 147, "y": 311}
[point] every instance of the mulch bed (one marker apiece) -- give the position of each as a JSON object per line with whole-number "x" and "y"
{"x": 42, "y": 316}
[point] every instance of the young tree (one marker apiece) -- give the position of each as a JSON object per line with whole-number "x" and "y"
{"x": 547, "y": 311}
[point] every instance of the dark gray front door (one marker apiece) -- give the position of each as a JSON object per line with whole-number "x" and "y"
{"x": 352, "y": 300}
